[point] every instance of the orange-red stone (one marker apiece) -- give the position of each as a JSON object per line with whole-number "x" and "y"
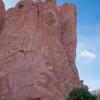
{"x": 37, "y": 51}
{"x": 98, "y": 97}
{"x": 2, "y": 14}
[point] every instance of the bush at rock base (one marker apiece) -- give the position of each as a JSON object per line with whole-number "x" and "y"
{"x": 81, "y": 94}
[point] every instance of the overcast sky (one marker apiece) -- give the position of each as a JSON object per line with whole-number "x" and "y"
{"x": 88, "y": 34}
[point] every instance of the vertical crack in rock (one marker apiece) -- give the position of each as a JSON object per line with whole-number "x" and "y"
{"x": 37, "y": 51}
{"x": 38, "y": 12}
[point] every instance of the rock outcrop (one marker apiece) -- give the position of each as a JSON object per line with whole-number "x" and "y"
{"x": 37, "y": 51}
{"x": 2, "y": 14}
{"x": 98, "y": 97}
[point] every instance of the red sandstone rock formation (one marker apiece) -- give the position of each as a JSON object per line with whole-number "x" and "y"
{"x": 98, "y": 97}
{"x": 37, "y": 51}
{"x": 2, "y": 14}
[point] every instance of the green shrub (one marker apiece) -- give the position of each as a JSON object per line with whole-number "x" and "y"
{"x": 81, "y": 94}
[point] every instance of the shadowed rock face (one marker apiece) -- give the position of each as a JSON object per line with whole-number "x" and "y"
{"x": 37, "y": 51}
{"x": 2, "y": 13}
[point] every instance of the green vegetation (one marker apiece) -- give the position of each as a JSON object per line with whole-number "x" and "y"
{"x": 81, "y": 94}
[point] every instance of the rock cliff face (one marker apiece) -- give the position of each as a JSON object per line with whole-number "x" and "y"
{"x": 37, "y": 51}
{"x": 98, "y": 97}
{"x": 2, "y": 14}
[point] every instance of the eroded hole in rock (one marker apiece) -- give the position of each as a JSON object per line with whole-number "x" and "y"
{"x": 1, "y": 7}
{"x": 20, "y": 6}
{"x": 50, "y": 18}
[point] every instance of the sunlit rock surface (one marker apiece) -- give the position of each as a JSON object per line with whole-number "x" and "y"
{"x": 37, "y": 51}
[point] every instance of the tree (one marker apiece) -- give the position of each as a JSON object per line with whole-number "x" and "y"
{"x": 81, "y": 94}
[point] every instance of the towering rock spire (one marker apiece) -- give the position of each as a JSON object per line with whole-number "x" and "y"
{"x": 37, "y": 51}
{"x": 2, "y": 14}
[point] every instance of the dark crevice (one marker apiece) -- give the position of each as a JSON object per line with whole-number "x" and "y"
{"x": 38, "y": 12}
{"x": 22, "y": 51}
{"x": 20, "y": 6}
{"x": 33, "y": 98}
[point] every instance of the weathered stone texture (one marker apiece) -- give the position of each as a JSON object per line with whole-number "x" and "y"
{"x": 37, "y": 51}
{"x": 98, "y": 97}
{"x": 2, "y": 14}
